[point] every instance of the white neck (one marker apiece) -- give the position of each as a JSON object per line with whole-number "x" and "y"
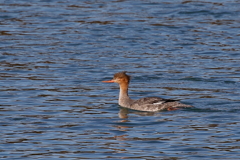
{"x": 124, "y": 99}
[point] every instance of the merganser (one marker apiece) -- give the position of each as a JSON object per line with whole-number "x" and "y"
{"x": 151, "y": 104}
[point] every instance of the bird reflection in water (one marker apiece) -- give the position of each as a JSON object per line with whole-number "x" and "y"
{"x": 123, "y": 113}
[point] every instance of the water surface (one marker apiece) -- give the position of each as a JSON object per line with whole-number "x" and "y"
{"x": 54, "y": 55}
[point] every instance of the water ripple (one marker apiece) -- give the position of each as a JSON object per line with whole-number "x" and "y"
{"x": 54, "y": 55}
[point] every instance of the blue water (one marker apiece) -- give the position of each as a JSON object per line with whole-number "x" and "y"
{"x": 54, "y": 55}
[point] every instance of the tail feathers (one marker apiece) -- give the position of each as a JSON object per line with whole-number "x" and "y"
{"x": 183, "y": 105}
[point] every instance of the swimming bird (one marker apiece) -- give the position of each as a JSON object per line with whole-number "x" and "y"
{"x": 151, "y": 104}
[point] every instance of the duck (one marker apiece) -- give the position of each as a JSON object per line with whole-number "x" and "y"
{"x": 149, "y": 104}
